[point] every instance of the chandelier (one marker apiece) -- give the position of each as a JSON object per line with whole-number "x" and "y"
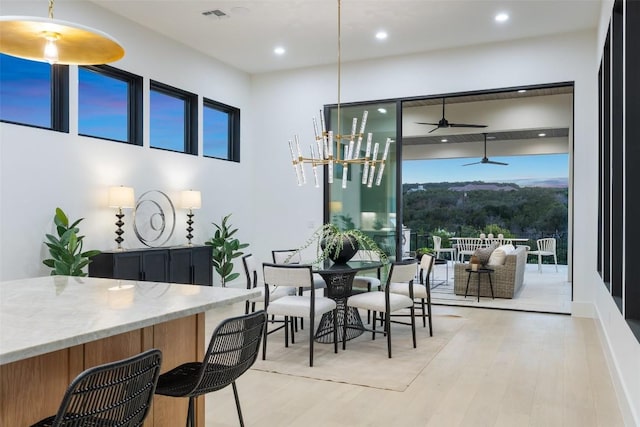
{"x": 55, "y": 41}
{"x": 347, "y": 147}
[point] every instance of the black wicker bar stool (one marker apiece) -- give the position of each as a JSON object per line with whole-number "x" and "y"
{"x": 232, "y": 350}
{"x": 114, "y": 394}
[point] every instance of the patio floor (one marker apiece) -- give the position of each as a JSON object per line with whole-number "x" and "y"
{"x": 547, "y": 292}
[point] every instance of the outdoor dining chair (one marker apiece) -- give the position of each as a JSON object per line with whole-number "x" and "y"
{"x": 438, "y": 249}
{"x": 546, "y": 247}
{"x": 467, "y": 246}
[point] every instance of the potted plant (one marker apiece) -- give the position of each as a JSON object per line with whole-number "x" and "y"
{"x": 340, "y": 245}
{"x": 67, "y": 257}
{"x": 225, "y": 249}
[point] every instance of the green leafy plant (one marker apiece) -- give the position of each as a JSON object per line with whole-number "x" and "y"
{"x": 225, "y": 249}
{"x": 67, "y": 257}
{"x": 423, "y": 251}
{"x": 330, "y": 241}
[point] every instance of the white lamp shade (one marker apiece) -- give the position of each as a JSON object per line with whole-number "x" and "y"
{"x": 121, "y": 197}
{"x": 191, "y": 199}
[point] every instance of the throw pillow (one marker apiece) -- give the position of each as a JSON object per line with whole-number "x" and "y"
{"x": 484, "y": 254}
{"x": 498, "y": 257}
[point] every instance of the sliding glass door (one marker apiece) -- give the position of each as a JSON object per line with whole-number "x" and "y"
{"x": 371, "y": 209}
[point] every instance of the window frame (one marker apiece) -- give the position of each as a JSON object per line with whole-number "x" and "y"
{"x": 190, "y": 116}
{"x": 59, "y": 108}
{"x": 134, "y": 102}
{"x": 233, "y": 129}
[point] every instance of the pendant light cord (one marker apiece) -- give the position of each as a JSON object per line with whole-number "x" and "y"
{"x": 339, "y": 70}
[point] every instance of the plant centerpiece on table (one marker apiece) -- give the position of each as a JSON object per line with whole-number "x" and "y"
{"x": 340, "y": 246}
{"x": 225, "y": 249}
{"x": 67, "y": 258}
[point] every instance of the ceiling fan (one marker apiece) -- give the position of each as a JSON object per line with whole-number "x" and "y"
{"x": 444, "y": 123}
{"x": 485, "y": 159}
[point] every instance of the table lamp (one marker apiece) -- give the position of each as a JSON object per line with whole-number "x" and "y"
{"x": 190, "y": 200}
{"x": 121, "y": 198}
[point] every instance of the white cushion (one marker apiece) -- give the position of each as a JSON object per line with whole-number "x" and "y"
{"x": 365, "y": 281}
{"x": 275, "y": 292}
{"x": 419, "y": 291}
{"x": 375, "y": 301}
{"x": 299, "y": 306}
{"x": 499, "y": 256}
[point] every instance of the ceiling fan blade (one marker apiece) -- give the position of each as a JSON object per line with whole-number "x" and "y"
{"x": 425, "y": 123}
{"x": 434, "y": 129}
{"x": 474, "y": 163}
{"x": 497, "y": 163}
{"x": 463, "y": 125}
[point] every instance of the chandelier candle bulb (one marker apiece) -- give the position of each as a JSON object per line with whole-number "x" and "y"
{"x": 315, "y": 175}
{"x": 365, "y": 114}
{"x": 365, "y": 168}
{"x": 302, "y": 175}
{"x": 372, "y": 172}
{"x": 295, "y": 164}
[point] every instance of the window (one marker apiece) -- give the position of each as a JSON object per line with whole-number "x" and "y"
{"x": 173, "y": 119}
{"x": 34, "y": 93}
{"x": 110, "y": 104}
{"x": 220, "y": 131}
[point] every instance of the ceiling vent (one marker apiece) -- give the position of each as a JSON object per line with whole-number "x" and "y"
{"x": 216, "y": 13}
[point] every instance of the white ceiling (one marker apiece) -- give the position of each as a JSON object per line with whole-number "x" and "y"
{"x": 307, "y": 29}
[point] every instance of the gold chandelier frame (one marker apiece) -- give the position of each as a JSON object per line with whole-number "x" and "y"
{"x": 323, "y": 152}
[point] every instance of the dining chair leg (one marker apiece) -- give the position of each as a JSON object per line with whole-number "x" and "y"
{"x": 424, "y": 317}
{"x": 311, "y": 337}
{"x": 286, "y": 330}
{"x": 246, "y": 307}
{"x": 293, "y": 331}
{"x": 375, "y": 320}
{"x": 387, "y": 328}
{"x": 335, "y": 330}
{"x": 235, "y": 395}
{"x": 264, "y": 343}
{"x": 344, "y": 327}
{"x": 413, "y": 325}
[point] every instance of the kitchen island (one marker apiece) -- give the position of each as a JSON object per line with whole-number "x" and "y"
{"x": 52, "y": 328}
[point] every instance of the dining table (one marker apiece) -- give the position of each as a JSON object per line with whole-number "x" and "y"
{"x": 339, "y": 280}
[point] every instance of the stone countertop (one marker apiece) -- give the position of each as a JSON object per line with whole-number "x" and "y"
{"x": 44, "y": 314}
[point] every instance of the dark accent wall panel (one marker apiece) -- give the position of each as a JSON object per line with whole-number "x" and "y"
{"x": 606, "y": 161}
{"x": 617, "y": 147}
{"x": 632, "y": 160}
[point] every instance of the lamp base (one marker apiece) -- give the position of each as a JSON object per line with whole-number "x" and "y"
{"x": 119, "y": 230}
{"x": 189, "y": 228}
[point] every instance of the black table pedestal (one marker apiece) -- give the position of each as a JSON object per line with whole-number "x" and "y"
{"x": 339, "y": 289}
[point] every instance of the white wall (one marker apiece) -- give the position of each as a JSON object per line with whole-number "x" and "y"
{"x": 41, "y": 170}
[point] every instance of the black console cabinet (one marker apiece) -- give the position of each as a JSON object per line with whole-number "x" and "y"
{"x": 184, "y": 264}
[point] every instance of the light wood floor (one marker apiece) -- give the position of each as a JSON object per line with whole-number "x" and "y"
{"x": 502, "y": 368}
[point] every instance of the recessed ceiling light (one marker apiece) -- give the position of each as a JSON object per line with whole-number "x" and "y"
{"x": 501, "y": 17}
{"x": 522, "y": 91}
{"x": 491, "y": 137}
{"x": 381, "y": 35}
{"x": 279, "y": 50}
{"x": 542, "y": 134}
{"x": 444, "y": 140}
{"x": 382, "y": 110}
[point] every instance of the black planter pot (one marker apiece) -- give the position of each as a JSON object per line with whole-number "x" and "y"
{"x": 349, "y": 249}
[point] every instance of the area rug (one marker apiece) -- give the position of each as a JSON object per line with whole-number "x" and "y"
{"x": 347, "y": 367}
